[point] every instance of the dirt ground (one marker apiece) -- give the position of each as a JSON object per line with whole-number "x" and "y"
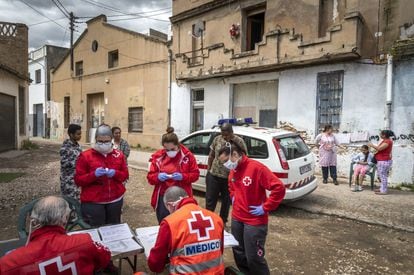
{"x": 298, "y": 242}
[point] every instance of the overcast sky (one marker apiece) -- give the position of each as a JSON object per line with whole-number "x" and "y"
{"x": 42, "y": 30}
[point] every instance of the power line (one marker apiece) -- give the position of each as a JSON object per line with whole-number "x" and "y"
{"x": 47, "y": 21}
{"x": 133, "y": 14}
{"x": 61, "y": 8}
{"x": 24, "y": 2}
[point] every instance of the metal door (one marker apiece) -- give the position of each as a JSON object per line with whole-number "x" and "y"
{"x": 38, "y": 120}
{"x": 7, "y": 122}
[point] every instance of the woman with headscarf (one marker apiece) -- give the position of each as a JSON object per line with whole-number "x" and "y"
{"x": 100, "y": 173}
{"x": 174, "y": 165}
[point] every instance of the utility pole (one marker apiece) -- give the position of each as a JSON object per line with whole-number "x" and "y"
{"x": 71, "y": 27}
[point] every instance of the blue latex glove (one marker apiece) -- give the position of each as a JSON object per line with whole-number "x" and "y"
{"x": 110, "y": 173}
{"x": 177, "y": 176}
{"x": 163, "y": 176}
{"x": 257, "y": 210}
{"x": 99, "y": 172}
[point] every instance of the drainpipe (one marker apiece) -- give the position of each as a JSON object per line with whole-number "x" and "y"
{"x": 388, "y": 102}
{"x": 169, "y": 84}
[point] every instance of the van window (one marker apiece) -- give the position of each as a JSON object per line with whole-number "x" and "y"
{"x": 293, "y": 147}
{"x": 256, "y": 148}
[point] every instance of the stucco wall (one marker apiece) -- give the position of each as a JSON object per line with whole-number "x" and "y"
{"x": 140, "y": 80}
{"x": 363, "y": 106}
{"x": 9, "y": 85}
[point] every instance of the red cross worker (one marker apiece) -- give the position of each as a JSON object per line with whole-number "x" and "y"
{"x": 191, "y": 235}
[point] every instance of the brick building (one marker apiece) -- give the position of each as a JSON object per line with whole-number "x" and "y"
{"x": 14, "y": 81}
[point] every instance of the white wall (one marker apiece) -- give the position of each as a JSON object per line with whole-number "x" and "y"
{"x": 363, "y": 107}
{"x": 37, "y": 91}
{"x": 363, "y": 97}
{"x": 180, "y": 108}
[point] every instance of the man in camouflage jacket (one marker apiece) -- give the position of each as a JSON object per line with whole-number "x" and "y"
{"x": 69, "y": 153}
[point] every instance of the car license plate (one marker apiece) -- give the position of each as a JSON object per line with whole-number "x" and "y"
{"x": 304, "y": 169}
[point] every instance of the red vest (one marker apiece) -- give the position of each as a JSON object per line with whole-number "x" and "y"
{"x": 196, "y": 245}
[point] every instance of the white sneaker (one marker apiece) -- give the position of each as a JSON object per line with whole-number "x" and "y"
{"x": 354, "y": 188}
{"x": 360, "y": 188}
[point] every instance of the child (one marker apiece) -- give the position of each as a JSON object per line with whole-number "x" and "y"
{"x": 363, "y": 161}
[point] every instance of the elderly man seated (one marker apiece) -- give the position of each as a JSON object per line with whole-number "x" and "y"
{"x": 49, "y": 250}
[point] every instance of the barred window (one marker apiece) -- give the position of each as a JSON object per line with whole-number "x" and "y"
{"x": 329, "y": 99}
{"x": 135, "y": 119}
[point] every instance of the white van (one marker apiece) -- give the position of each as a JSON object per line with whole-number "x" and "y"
{"x": 284, "y": 152}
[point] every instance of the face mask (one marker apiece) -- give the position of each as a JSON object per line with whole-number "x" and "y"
{"x": 172, "y": 154}
{"x": 103, "y": 148}
{"x": 231, "y": 165}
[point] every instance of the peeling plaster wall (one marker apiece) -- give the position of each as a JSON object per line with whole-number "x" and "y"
{"x": 363, "y": 106}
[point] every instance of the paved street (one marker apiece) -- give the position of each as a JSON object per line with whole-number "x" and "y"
{"x": 299, "y": 242}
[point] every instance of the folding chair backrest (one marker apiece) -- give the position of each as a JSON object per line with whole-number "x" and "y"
{"x": 26, "y": 210}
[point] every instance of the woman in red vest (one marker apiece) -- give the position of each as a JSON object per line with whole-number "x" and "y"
{"x": 384, "y": 159}
{"x": 174, "y": 165}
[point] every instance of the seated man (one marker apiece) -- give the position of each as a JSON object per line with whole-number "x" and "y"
{"x": 193, "y": 237}
{"x": 49, "y": 250}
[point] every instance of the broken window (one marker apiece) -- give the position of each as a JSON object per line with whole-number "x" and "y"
{"x": 197, "y": 34}
{"x": 79, "y": 68}
{"x": 329, "y": 99}
{"x": 22, "y": 111}
{"x": 135, "y": 119}
{"x": 325, "y": 16}
{"x": 38, "y": 76}
{"x": 254, "y": 27}
{"x": 66, "y": 111}
{"x": 113, "y": 59}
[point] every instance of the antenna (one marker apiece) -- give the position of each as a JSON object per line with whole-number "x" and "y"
{"x": 198, "y": 29}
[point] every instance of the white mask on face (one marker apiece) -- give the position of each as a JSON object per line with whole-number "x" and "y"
{"x": 231, "y": 165}
{"x": 172, "y": 154}
{"x": 103, "y": 148}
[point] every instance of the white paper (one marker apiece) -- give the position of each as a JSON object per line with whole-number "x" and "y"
{"x": 115, "y": 232}
{"x": 147, "y": 237}
{"x": 92, "y": 232}
{"x": 122, "y": 246}
{"x": 229, "y": 240}
{"x": 343, "y": 138}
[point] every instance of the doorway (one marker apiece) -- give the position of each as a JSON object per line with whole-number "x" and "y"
{"x": 96, "y": 113}
{"x": 38, "y": 122}
{"x": 7, "y": 122}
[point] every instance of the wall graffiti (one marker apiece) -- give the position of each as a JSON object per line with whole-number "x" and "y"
{"x": 408, "y": 137}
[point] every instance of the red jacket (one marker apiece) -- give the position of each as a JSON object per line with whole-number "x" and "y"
{"x": 248, "y": 185}
{"x": 50, "y": 249}
{"x": 102, "y": 189}
{"x": 164, "y": 245}
{"x": 186, "y": 164}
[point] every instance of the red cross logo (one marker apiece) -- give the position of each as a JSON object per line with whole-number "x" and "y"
{"x": 200, "y": 225}
{"x": 247, "y": 181}
{"x": 55, "y": 266}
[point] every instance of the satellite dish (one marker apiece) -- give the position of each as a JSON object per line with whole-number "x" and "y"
{"x": 198, "y": 29}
